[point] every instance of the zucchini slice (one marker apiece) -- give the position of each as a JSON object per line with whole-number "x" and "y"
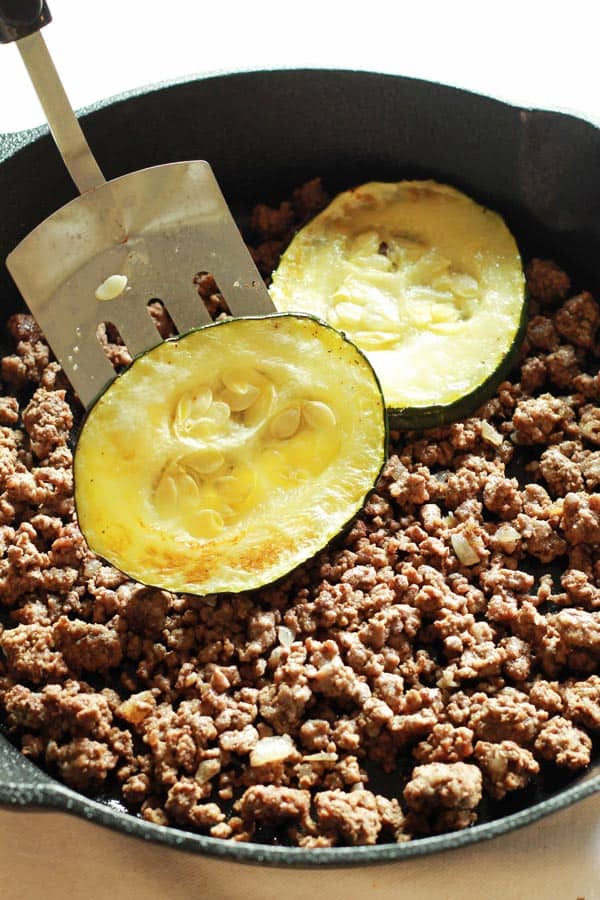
{"x": 425, "y": 281}
{"x": 223, "y": 458}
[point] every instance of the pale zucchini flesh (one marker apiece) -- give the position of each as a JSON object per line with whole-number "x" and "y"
{"x": 427, "y": 282}
{"x": 220, "y": 460}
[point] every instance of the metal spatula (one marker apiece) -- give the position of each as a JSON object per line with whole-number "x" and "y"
{"x": 156, "y": 227}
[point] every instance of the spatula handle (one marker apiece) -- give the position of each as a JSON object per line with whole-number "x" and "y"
{"x": 18, "y": 18}
{"x": 20, "y": 21}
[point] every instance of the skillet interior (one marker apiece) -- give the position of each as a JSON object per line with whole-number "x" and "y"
{"x": 264, "y": 133}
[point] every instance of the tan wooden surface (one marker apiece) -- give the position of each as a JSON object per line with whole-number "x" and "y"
{"x": 53, "y": 856}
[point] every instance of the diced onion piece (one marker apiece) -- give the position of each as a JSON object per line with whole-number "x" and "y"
{"x": 207, "y": 769}
{"x": 137, "y": 707}
{"x": 464, "y": 551}
{"x": 285, "y": 635}
{"x": 271, "y": 749}
{"x": 490, "y": 435}
{"x": 507, "y": 537}
{"x": 320, "y": 757}
{"x": 447, "y": 680}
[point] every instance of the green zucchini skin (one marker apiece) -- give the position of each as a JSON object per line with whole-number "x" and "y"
{"x": 439, "y": 311}
{"x": 377, "y": 461}
{"x": 422, "y": 419}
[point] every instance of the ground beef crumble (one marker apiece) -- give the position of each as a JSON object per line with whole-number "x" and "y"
{"x": 385, "y": 652}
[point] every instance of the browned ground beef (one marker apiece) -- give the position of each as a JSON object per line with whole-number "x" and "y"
{"x": 383, "y": 654}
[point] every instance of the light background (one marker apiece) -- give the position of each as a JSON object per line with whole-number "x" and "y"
{"x": 529, "y": 52}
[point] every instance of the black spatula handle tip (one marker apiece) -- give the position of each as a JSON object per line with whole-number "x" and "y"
{"x": 19, "y": 18}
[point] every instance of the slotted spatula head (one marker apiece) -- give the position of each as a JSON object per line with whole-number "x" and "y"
{"x": 158, "y": 227}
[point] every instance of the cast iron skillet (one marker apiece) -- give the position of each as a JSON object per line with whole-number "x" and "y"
{"x": 265, "y": 133}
